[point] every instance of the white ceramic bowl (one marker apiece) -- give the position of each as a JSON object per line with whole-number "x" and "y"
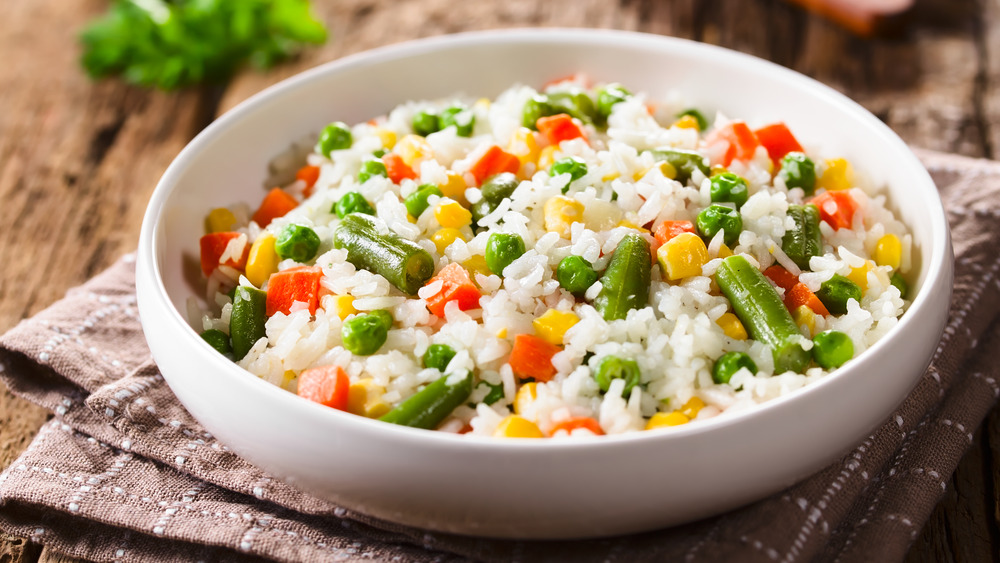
{"x": 524, "y": 488}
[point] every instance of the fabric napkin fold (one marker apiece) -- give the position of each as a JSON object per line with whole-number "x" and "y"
{"x": 123, "y": 473}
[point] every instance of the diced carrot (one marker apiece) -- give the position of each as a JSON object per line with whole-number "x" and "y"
{"x": 276, "y": 203}
{"x": 213, "y": 246}
{"x": 532, "y": 357}
{"x": 578, "y": 78}
{"x": 669, "y": 229}
{"x": 742, "y": 142}
{"x": 558, "y": 128}
{"x": 397, "y": 169}
{"x": 781, "y": 277}
{"x": 836, "y": 208}
{"x": 309, "y": 175}
{"x": 456, "y": 285}
{"x": 800, "y": 295}
{"x": 295, "y": 284}
{"x": 494, "y": 161}
{"x": 778, "y": 141}
{"x": 571, "y": 424}
{"x": 326, "y": 385}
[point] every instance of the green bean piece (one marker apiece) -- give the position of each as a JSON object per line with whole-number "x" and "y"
{"x": 728, "y": 364}
{"x": 218, "y": 340}
{"x": 836, "y": 292}
{"x": 575, "y": 166}
{"x": 625, "y": 283}
{"x": 899, "y": 283}
{"x": 613, "y": 367}
{"x": 575, "y": 275}
{"x": 501, "y": 250}
{"x": 432, "y": 404}
{"x": 832, "y": 349}
{"x": 496, "y": 392}
{"x": 416, "y": 203}
{"x": 805, "y": 240}
{"x": 684, "y": 162}
{"x": 495, "y": 189}
{"x": 462, "y": 118}
{"x": 371, "y": 167}
{"x": 715, "y": 218}
{"x": 352, "y": 202}
{"x": 728, "y": 187}
{"x": 536, "y": 107}
{"x": 798, "y": 171}
{"x": 364, "y": 334}
{"x": 372, "y": 246}
{"x": 334, "y": 137}
{"x": 576, "y": 103}
{"x": 760, "y": 309}
{"x": 424, "y": 123}
{"x": 379, "y": 153}
{"x": 438, "y": 356}
{"x": 297, "y": 242}
{"x": 697, "y": 115}
{"x": 246, "y": 322}
{"x": 608, "y": 96}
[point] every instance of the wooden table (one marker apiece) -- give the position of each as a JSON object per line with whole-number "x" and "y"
{"x": 79, "y": 160}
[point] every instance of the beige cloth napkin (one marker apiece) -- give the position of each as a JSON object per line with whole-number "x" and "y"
{"x": 122, "y": 472}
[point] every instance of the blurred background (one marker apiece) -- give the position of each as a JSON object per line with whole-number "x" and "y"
{"x": 79, "y": 158}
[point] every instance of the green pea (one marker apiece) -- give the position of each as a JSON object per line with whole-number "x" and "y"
{"x": 832, "y": 348}
{"x": 335, "y": 136}
{"x": 728, "y": 187}
{"x": 698, "y": 116}
{"x": 610, "y": 95}
{"x": 575, "y": 275}
{"x": 218, "y": 340}
{"x": 496, "y": 392}
{"x": 715, "y": 218}
{"x": 352, "y": 202}
{"x": 379, "y": 153}
{"x": 364, "y": 334}
{"x": 416, "y": 203}
{"x": 730, "y": 363}
{"x": 899, "y": 283}
{"x": 798, "y": 171}
{"x": 613, "y": 367}
{"x": 371, "y": 167}
{"x": 836, "y": 292}
{"x": 384, "y": 316}
{"x": 424, "y": 123}
{"x": 462, "y": 118}
{"x": 438, "y": 356}
{"x": 298, "y": 242}
{"x": 501, "y": 250}
{"x": 537, "y": 106}
{"x": 573, "y": 165}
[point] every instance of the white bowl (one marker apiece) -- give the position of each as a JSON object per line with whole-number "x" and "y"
{"x": 523, "y": 488}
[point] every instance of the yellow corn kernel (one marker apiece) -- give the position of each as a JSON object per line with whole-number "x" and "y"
{"x": 452, "y": 214}
{"x": 552, "y": 325}
{"x": 502, "y": 333}
{"x": 412, "y": 149}
{"x": 631, "y": 225}
{"x": 687, "y": 122}
{"x": 560, "y": 213}
{"x": 220, "y": 220}
{"x": 524, "y": 145}
{"x": 682, "y": 256}
{"x": 889, "y": 251}
{"x": 517, "y": 427}
{"x": 665, "y": 168}
{"x": 804, "y": 316}
{"x": 477, "y": 264}
{"x": 724, "y": 251}
{"x": 525, "y": 396}
{"x": 611, "y": 176}
{"x": 482, "y": 103}
{"x": 860, "y": 275}
{"x": 692, "y": 407}
{"x": 262, "y": 260}
{"x": 344, "y": 306}
{"x": 287, "y": 378}
{"x": 364, "y": 398}
{"x": 444, "y": 237}
{"x": 454, "y": 187}
{"x": 732, "y": 326}
{"x": 387, "y": 137}
{"x": 838, "y": 175}
{"x": 665, "y": 419}
{"x": 546, "y": 157}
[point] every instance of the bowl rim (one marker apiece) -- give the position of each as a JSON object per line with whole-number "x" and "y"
{"x": 151, "y": 232}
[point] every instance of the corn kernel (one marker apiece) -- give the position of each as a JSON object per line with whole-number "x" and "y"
{"x": 732, "y": 326}
{"x": 482, "y": 103}
{"x": 454, "y": 187}
{"x": 889, "y": 251}
{"x": 552, "y": 325}
{"x": 724, "y": 251}
{"x": 525, "y": 396}
{"x": 682, "y": 256}
{"x": 859, "y": 275}
{"x": 546, "y": 157}
{"x": 452, "y": 215}
{"x": 477, "y": 264}
{"x": 524, "y": 145}
{"x": 344, "y": 306}
{"x": 611, "y": 176}
{"x": 412, "y": 149}
{"x": 838, "y": 175}
{"x": 287, "y": 378}
{"x": 502, "y": 333}
{"x": 665, "y": 419}
{"x": 220, "y": 220}
{"x": 364, "y": 398}
{"x": 444, "y": 237}
{"x": 687, "y": 122}
{"x": 805, "y": 317}
{"x": 560, "y": 214}
{"x": 262, "y": 260}
{"x": 631, "y": 225}
{"x": 387, "y": 137}
{"x": 692, "y": 407}
{"x": 517, "y": 427}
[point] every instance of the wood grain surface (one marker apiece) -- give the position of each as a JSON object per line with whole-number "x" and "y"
{"x": 78, "y": 160}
